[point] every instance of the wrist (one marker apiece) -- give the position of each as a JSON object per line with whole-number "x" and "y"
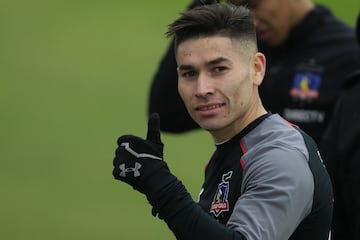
{"x": 172, "y": 199}
{"x": 155, "y": 181}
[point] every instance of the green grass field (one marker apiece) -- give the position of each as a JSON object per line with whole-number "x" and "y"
{"x": 74, "y": 75}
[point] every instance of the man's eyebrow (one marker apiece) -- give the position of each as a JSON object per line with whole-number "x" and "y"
{"x": 217, "y": 61}
{"x": 185, "y": 67}
{"x": 209, "y": 63}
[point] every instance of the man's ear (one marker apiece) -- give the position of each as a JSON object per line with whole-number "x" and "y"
{"x": 258, "y": 67}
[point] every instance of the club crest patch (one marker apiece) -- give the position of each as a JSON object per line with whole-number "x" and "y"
{"x": 306, "y": 82}
{"x": 305, "y": 86}
{"x": 220, "y": 202}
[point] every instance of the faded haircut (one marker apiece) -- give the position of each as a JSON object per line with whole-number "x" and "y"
{"x": 225, "y": 20}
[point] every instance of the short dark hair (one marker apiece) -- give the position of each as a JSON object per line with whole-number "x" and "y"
{"x": 214, "y": 19}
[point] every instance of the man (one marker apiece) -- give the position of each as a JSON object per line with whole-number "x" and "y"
{"x": 308, "y": 51}
{"x": 340, "y": 148}
{"x": 265, "y": 179}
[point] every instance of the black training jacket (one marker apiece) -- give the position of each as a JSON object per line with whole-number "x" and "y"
{"x": 267, "y": 182}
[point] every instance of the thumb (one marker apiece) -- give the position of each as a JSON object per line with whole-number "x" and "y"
{"x": 153, "y": 133}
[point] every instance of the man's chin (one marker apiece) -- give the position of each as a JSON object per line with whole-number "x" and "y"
{"x": 211, "y": 127}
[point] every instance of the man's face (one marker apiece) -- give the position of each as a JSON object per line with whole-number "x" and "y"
{"x": 274, "y": 19}
{"x": 216, "y": 82}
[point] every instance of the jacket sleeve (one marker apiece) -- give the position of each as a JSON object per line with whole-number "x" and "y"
{"x": 186, "y": 219}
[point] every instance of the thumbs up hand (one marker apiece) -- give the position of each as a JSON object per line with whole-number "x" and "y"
{"x": 139, "y": 162}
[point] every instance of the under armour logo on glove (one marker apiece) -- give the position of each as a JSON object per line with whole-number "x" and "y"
{"x": 127, "y": 170}
{"x": 133, "y": 152}
{"x": 138, "y": 161}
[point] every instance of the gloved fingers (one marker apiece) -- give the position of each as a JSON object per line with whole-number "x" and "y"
{"x": 153, "y": 133}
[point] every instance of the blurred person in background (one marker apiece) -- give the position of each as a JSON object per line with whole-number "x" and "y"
{"x": 308, "y": 50}
{"x": 265, "y": 179}
{"x": 341, "y": 154}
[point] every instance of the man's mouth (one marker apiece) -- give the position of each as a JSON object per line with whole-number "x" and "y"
{"x": 209, "y": 107}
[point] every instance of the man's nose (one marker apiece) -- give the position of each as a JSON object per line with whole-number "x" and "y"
{"x": 204, "y": 87}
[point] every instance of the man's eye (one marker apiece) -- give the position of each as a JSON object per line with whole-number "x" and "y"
{"x": 219, "y": 69}
{"x": 188, "y": 74}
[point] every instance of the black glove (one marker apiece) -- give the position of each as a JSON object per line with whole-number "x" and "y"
{"x": 139, "y": 162}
